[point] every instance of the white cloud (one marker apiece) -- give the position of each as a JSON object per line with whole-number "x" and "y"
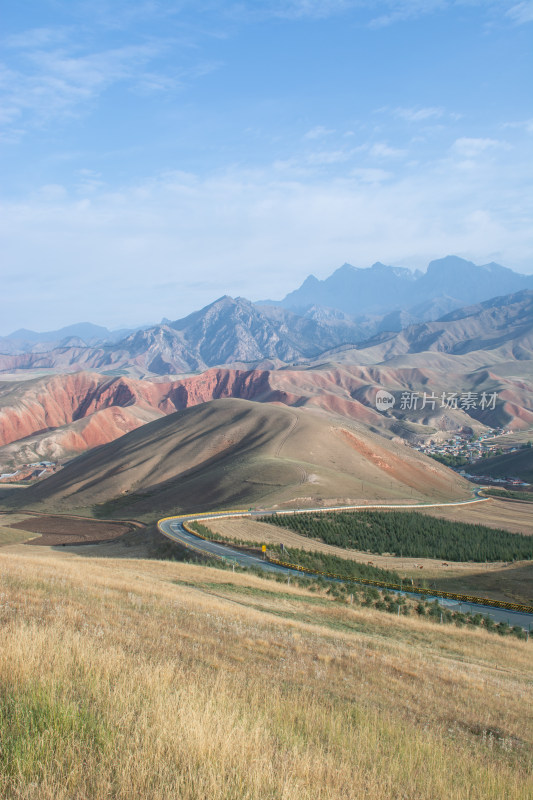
{"x": 419, "y": 114}
{"x": 385, "y": 11}
{"x": 37, "y": 38}
{"x": 470, "y": 148}
{"x": 383, "y": 150}
{"x": 52, "y": 74}
{"x": 399, "y": 10}
{"x": 290, "y": 9}
{"x": 131, "y": 255}
{"x": 328, "y": 157}
{"x": 525, "y": 125}
{"x": 319, "y": 132}
{"x": 521, "y": 12}
{"x": 58, "y": 83}
{"x": 370, "y": 175}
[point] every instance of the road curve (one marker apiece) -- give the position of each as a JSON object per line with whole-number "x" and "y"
{"x": 174, "y": 528}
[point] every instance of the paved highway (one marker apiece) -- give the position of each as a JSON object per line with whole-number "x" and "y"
{"x": 172, "y": 527}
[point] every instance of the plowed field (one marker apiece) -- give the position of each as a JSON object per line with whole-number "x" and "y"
{"x": 69, "y": 530}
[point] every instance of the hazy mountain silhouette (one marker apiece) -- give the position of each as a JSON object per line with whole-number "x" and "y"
{"x": 447, "y": 284}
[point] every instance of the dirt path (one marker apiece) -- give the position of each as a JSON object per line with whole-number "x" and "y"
{"x": 292, "y": 426}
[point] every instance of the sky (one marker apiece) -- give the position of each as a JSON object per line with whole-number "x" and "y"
{"x": 156, "y": 155}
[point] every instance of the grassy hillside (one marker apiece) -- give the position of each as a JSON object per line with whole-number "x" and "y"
{"x": 128, "y": 678}
{"x": 234, "y": 453}
{"x": 518, "y": 465}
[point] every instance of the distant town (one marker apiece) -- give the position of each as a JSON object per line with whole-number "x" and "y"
{"x": 466, "y": 447}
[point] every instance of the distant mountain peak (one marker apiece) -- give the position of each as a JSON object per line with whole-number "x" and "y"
{"x": 225, "y": 299}
{"x": 449, "y": 264}
{"x": 347, "y": 268}
{"x": 448, "y": 283}
{"x": 494, "y": 267}
{"x": 312, "y": 279}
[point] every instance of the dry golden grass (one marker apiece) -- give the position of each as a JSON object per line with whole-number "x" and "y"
{"x": 513, "y": 516}
{"x": 131, "y": 678}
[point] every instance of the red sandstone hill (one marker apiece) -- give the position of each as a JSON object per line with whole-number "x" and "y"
{"x": 57, "y": 417}
{"x": 60, "y": 416}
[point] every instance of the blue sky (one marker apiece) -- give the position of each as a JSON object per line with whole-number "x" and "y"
{"x": 155, "y": 155}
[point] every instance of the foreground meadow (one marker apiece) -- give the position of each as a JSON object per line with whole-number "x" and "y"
{"x": 128, "y": 678}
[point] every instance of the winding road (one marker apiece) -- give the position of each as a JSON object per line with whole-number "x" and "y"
{"x": 173, "y": 528}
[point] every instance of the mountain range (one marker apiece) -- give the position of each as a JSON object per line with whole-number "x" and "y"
{"x": 237, "y": 332}
{"x": 403, "y": 296}
{"x": 502, "y": 323}
{"x": 483, "y": 348}
{"x": 228, "y": 331}
{"x": 131, "y": 419}
{"x": 81, "y": 334}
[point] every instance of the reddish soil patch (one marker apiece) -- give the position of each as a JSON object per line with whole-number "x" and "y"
{"x": 404, "y": 469}
{"x": 69, "y": 530}
{"x": 376, "y": 455}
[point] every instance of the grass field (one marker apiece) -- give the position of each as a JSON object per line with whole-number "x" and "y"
{"x": 514, "y": 438}
{"x": 508, "y": 494}
{"x": 516, "y": 517}
{"x": 122, "y": 678}
{"x": 9, "y": 535}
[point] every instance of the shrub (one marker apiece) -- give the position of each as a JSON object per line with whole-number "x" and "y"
{"x": 504, "y": 629}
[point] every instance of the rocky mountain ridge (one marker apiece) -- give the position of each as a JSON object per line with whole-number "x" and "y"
{"x": 239, "y": 333}
{"x": 348, "y": 308}
{"x": 228, "y": 331}
{"x": 55, "y": 417}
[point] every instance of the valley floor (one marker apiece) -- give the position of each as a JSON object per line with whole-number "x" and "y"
{"x": 128, "y": 678}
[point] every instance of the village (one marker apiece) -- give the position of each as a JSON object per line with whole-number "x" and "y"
{"x": 466, "y": 447}
{"x": 27, "y": 473}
